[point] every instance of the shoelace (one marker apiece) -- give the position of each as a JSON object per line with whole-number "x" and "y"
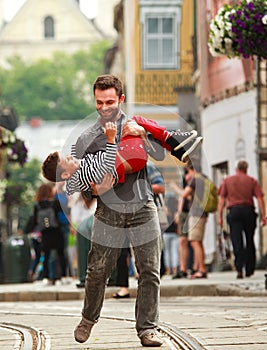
{"x": 182, "y": 133}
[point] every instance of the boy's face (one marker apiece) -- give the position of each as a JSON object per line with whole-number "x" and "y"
{"x": 69, "y": 164}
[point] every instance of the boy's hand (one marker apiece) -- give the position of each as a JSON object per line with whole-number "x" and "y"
{"x": 110, "y": 130}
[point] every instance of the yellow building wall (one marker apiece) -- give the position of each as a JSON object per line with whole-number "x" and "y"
{"x": 157, "y": 86}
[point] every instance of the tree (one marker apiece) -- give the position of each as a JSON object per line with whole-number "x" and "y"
{"x": 53, "y": 89}
{"x": 22, "y": 184}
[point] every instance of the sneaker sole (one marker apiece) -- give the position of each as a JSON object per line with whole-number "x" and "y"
{"x": 185, "y": 142}
{"x": 186, "y": 156}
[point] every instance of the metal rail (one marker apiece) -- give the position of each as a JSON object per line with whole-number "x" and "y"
{"x": 29, "y": 338}
{"x": 175, "y": 338}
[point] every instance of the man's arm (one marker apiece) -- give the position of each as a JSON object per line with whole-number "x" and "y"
{"x": 261, "y": 204}
{"x": 221, "y": 205}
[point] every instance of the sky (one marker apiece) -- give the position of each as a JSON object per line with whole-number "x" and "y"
{"x": 88, "y": 7}
{"x": 11, "y": 7}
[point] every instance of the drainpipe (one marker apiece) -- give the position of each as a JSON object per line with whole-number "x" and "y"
{"x": 258, "y": 140}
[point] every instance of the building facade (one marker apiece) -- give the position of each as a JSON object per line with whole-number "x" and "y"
{"x": 231, "y": 111}
{"x": 40, "y": 28}
{"x": 154, "y": 57}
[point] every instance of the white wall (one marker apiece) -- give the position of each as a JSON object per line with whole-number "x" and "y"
{"x": 223, "y": 123}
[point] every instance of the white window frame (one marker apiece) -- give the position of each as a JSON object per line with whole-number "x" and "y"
{"x": 160, "y": 9}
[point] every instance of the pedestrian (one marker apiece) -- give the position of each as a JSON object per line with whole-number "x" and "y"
{"x": 64, "y": 221}
{"x": 126, "y": 210}
{"x": 170, "y": 238}
{"x": 158, "y": 188}
{"x": 45, "y": 213}
{"x": 36, "y": 244}
{"x": 185, "y": 249}
{"x": 122, "y": 274}
{"x": 197, "y": 219}
{"x": 82, "y": 212}
{"x": 237, "y": 193}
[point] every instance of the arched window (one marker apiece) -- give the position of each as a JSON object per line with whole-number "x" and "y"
{"x": 49, "y": 27}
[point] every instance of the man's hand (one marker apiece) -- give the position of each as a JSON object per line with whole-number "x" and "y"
{"x": 220, "y": 221}
{"x": 133, "y": 129}
{"x": 158, "y": 188}
{"x": 263, "y": 221}
{"x": 104, "y": 186}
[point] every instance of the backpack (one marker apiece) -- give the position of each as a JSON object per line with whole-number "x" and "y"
{"x": 209, "y": 201}
{"x": 46, "y": 217}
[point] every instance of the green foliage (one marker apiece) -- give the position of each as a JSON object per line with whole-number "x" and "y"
{"x": 53, "y": 89}
{"x": 21, "y": 188}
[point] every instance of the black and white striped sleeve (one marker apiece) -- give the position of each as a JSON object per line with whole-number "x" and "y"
{"x": 95, "y": 166}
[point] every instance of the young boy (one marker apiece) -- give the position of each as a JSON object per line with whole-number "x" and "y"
{"x": 80, "y": 173}
{"x": 127, "y": 157}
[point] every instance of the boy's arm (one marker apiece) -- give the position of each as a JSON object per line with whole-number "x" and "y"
{"x": 96, "y": 166}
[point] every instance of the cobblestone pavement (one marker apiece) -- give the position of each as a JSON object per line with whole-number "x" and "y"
{"x": 220, "y": 312}
{"x": 228, "y": 323}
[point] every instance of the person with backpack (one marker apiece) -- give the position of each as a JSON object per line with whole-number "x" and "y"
{"x": 199, "y": 188}
{"x": 45, "y": 217}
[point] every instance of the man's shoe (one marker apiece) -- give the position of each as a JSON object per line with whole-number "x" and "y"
{"x": 83, "y": 330}
{"x": 183, "y": 144}
{"x": 239, "y": 275}
{"x": 151, "y": 338}
{"x": 248, "y": 274}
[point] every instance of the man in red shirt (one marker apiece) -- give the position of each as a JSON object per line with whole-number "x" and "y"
{"x": 236, "y": 193}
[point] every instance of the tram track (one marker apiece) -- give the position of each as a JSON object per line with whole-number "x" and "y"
{"x": 173, "y": 337}
{"x": 30, "y": 338}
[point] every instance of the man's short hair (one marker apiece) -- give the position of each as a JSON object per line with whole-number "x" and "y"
{"x": 51, "y": 170}
{"x": 241, "y": 164}
{"x": 108, "y": 81}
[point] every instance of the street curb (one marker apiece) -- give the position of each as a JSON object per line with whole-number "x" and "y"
{"x": 165, "y": 291}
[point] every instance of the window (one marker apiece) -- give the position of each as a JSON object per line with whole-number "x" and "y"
{"x": 160, "y": 36}
{"x": 49, "y": 27}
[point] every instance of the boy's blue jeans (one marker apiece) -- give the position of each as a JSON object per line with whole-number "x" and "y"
{"x": 110, "y": 227}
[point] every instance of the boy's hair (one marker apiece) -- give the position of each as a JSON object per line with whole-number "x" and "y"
{"x": 51, "y": 170}
{"x": 108, "y": 81}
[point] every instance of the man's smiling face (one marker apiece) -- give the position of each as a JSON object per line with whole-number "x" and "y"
{"x": 108, "y": 104}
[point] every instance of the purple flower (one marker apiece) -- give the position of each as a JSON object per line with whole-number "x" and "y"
{"x": 250, "y": 6}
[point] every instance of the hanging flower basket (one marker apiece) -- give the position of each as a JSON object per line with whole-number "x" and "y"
{"x": 240, "y": 30}
{"x": 15, "y": 149}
